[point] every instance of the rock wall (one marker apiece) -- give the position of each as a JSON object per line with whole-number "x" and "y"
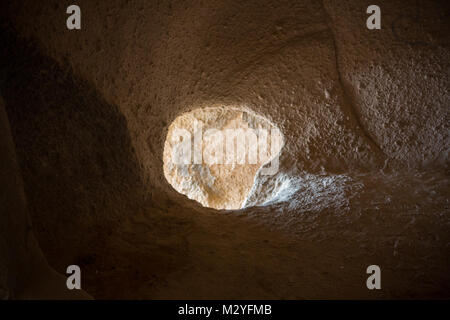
{"x": 363, "y": 174}
{"x": 24, "y": 271}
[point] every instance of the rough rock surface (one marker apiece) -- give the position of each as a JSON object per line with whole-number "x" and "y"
{"x": 363, "y": 173}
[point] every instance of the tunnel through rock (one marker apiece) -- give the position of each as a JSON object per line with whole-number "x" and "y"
{"x": 212, "y": 155}
{"x": 360, "y": 110}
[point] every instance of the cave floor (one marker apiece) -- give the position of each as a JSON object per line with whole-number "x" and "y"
{"x": 317, "y": 245}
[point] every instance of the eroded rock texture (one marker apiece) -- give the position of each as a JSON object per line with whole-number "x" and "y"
{"x": 363, "y": 175}
{"x": 213, "y": 154}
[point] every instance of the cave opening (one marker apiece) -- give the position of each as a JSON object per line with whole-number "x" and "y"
{"x": 214, "y": 155}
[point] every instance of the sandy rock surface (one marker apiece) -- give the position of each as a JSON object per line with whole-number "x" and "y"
{"x": 363, "y": 175}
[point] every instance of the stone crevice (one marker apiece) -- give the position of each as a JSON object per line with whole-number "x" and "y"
{"x": 346, "y": 95}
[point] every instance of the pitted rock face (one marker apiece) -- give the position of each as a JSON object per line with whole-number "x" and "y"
{"x": 212, "y": 155}
{"x": 363, "y": 171}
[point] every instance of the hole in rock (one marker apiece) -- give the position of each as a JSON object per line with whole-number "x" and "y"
{"x": 212, "y": 155}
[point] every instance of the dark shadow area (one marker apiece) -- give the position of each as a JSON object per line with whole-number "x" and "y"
{"x": 79, "y": 168}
